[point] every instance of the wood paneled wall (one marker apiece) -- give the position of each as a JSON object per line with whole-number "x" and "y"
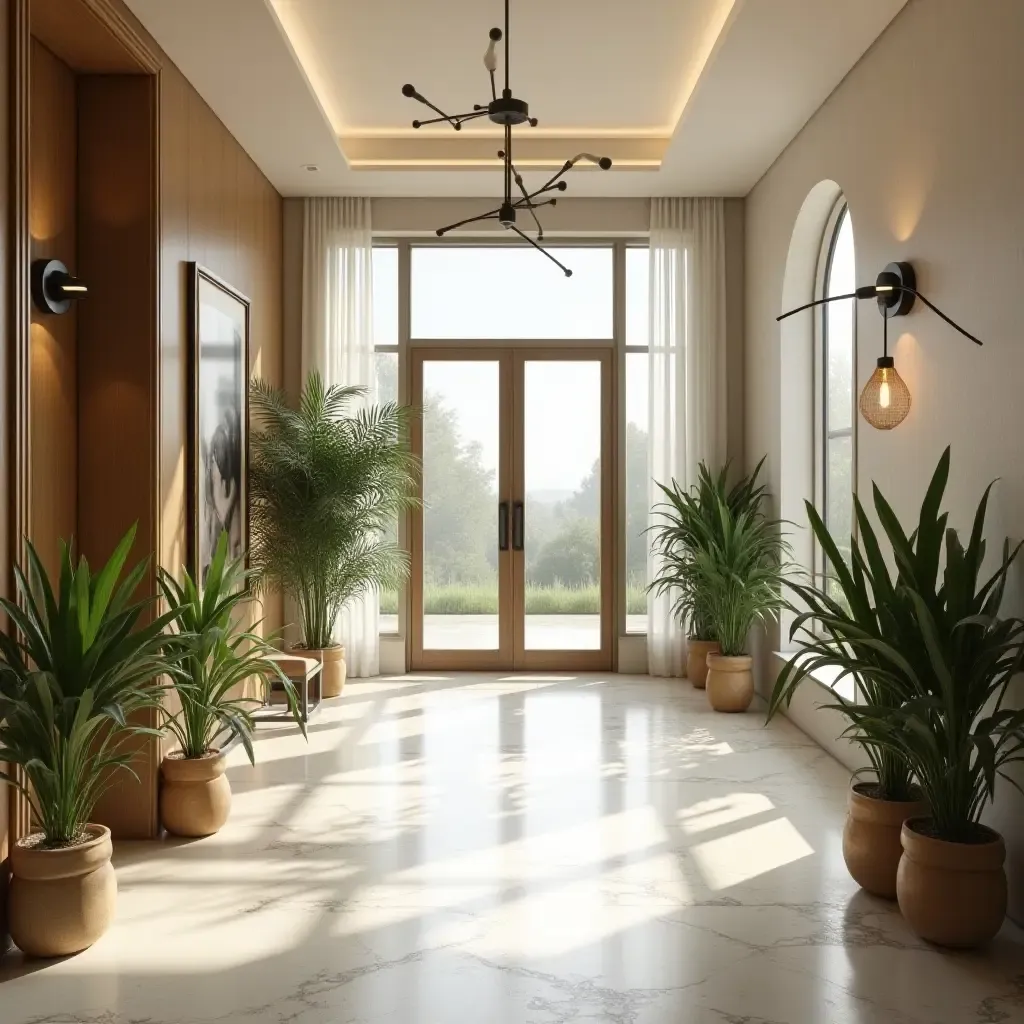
{"x": 215, "y": 207}
{"x": 219, "y": 210}
{"x": 52, "y": 216}
{"x": 117, "y": 346}
{"x": 6, "y": 409}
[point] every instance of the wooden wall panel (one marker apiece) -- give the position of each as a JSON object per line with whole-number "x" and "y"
{"x": 219, "y": 210}
{"x": 216, "y": 207}
{"x": 117, "y": 374}
{"x": 53, "y": 407}
{"x": 8, "y": 407}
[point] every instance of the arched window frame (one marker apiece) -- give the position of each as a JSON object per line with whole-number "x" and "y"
{"x": 823, "y": 432}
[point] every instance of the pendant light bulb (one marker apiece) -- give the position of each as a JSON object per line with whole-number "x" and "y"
{"x": 885, "y": 400}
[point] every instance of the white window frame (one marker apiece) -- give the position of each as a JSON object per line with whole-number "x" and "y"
{"x": 822, "y": 434}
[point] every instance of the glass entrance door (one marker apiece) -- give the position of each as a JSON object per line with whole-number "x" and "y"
{"x": 511, "y": 550}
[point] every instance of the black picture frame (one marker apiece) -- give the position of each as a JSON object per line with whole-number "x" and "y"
{"x": 218, "y": 435}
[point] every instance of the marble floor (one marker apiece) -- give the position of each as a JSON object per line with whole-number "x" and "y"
{"x": 517, "y": 850}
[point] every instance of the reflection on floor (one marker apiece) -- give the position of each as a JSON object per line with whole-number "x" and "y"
{"x": 522, "y": 850}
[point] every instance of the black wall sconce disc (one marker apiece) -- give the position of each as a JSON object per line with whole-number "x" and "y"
{"x": 896, "y": 302}
{"x": 53, "y": 288}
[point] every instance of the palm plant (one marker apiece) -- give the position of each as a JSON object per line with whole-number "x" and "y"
{"x": 216, "y": 657}
{"x": 738, "y": 567}
{"x": 83, "y": 660}
{"x": 690, "y": 520}
{"x": 325, "y": 486}
{"x": 930, "y": 655}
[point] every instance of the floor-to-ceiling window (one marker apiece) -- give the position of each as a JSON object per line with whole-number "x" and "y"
{"x": 492, "y": 343}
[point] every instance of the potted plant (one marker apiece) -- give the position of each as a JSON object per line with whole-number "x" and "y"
{"x": 83, "y": 659}
{"x": 217, "y": 657}
{"x": 850, "y": 623}
{"x": 951, "y": 657}
{"x": 325, "y": 487}
{"x": 739, "y": 568}
{"x": 688, "y": 519}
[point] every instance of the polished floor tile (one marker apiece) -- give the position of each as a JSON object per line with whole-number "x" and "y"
{"x": 517, "y": 850}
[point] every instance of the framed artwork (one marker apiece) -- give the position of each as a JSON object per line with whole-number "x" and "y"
{"x": 219, "y": 431}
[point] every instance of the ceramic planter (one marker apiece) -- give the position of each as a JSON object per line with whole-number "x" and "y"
{"x": 195, "y": 795}
{"x": 697, "y": 652}
{"x": 61, "y": 900}
{"x": 952, "y": 894}
{"x": 730, "y": 682}
{"x": 334, "y": 671}
{"x": 871, "y": 838}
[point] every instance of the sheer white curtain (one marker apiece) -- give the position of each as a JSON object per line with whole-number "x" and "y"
{"x": 687, "y": 374}
{"x": 337, "y": 340}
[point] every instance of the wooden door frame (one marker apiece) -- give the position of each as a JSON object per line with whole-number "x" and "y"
{"x": 431, "y": 659}
{"x": 602, "y": 659}
{"x": 511, "y": 654}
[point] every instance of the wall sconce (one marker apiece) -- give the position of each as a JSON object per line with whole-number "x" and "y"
{"x": 53, "y": 288}
{"x": 885, "y": 400}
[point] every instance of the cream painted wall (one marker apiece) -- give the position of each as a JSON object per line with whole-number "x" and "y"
{"x": 925, "y": 138}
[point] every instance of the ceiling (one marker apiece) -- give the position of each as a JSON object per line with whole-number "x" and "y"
{"x": 688, "y": 97}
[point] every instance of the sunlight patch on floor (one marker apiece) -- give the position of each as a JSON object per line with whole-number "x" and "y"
{"x": 709, "y": 814}
{"x": 751, "y": 852}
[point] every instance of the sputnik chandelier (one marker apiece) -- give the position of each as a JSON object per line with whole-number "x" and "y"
{"x": 508, "y": 111}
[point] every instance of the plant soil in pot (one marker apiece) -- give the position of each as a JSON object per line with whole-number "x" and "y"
{"x": 61, "y": 898}
{"x": 730, "y": 682}
{"x": 952, "y": 894}
{"x": 697, "y": 652}
{"x": 872, "y": 847}
{"x": 195, "y": 795}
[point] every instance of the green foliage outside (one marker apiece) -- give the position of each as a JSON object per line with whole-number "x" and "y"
{"x": 558, "y": 599}
{"x": 562, "y": 535}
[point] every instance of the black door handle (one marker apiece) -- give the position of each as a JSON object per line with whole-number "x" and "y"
{"x": 518, "y": 525}
{"x": 503, "y": 526}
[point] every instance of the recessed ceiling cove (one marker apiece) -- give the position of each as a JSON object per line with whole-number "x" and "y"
{"x": 687, "y": 97}
{"x": 602, "y": 76}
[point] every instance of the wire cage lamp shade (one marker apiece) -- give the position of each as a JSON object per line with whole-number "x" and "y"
{"x": 885, "y": 400}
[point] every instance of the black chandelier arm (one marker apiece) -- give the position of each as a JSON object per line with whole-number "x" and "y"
{"x": 520, "y": 204}
{"x": 411, "y": 93}
{"x": 490, "y": 215}
{"x": 870, "y": 291}
{"x": 540, "y": 248}
{"x": 526, "y": 201}
{"x": 559, "y": 186}
{"x": 455, "y": 120}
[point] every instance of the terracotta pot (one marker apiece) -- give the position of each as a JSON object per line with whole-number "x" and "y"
{"x": 730, "y": 682}
{"x": 61, "y": 901}
{"x": 697, "y": 652}
{"x": 871, "y": 838}
{"x": 334, "y": 671}
{"x": 952, "y": 894}
{"x": 195, "y": 795}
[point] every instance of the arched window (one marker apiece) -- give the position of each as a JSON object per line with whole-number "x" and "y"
{"x": 835, "y": 379}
